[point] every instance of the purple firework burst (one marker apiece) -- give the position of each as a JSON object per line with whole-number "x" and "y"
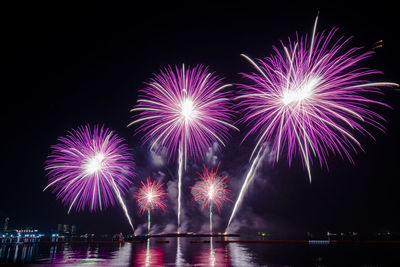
{"x": 89, "y": 168}
{"x": 184, "y": 109}
{"x": 310, "y": 97}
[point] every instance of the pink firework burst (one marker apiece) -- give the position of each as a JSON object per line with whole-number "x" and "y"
{"x": 89, "y": 168}
{"x": 151, "y": 196}
{"x": 310, "y": 98}
{"x": 211, "y": 189}
{"x": 185, "y": 109}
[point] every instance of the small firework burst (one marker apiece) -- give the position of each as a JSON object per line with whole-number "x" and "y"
{"x": 151, "y": 196}
{"x": 211, "y": 189}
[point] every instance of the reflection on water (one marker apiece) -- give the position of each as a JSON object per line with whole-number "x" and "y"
{"x": 179, "y": 260}
{"x": 239, "y": 255}
{"x": 199, "y": 252}
{"x": 149, "y": 255}
{"x": 17, "y": 253}
{"x": 210, "y": 255}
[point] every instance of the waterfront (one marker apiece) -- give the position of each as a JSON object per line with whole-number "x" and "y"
{"x": 186, "y": 251}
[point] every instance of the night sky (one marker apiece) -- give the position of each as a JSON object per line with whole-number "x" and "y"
{"x": 64, "y": 65}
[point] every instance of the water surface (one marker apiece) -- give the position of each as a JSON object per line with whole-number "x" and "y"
{"x": 184, "y": 251}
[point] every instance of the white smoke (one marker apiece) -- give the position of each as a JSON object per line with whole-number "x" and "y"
{"x": 141, "y": 229}
{"x": 172, "y": 189}
{"x": 211, "y": 158}
{"x": 158, "y": 157}
{"x": 169, "y": 228}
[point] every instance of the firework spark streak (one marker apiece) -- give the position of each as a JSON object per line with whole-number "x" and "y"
{"x": 211, "y": 189}
{"x": 249, "y": 178}
{"x": 90, "y": 169}
{"x": 180, "y": 172}
{"x": 149, "y": 197}
{"x": 309, "y": 99}
{"x": 184, "y": 111}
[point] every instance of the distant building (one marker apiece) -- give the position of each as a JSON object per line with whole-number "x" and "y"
{"x": 59, "y": 228}
{"x": 73, "y": 229}
{"x": 66, "y": 228}
{"x": 6, "y": 224}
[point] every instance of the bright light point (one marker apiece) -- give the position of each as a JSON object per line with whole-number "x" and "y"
{"x": 211, "y": 192}
{"x": 95, "y": 163}
{"x": 150, "y": 197}
{"x": 302, "y": 93}
{"x": 187, "y": 109}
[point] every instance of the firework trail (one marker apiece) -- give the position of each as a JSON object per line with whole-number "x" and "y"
{"x": 90, "y": 169}
{"x": 184, "y": 111}
{"x": 211, "y": 189}
{"x": 149, "y": 197}
{"x": 180, "y": 173}
{"x": 310, "y": 97}
{"x": 249, "y": 178}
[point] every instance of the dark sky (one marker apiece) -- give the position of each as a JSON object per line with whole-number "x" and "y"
{"x": 64, "y": 65}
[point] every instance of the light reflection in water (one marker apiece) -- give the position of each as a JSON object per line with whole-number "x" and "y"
{"x": 67, "y": 255}
{"x": 53, "y": 253}
{"x": 149, "y": 255}
{"x": 23, "y": 254}
{"x": 121, "y": 257}
{"x": 16, "y": 253}
{"x": 147, "y": 261}
{"x": 240, "y": 256}
{"x": 8, "y": 253}
{"x": 179, "y": 260}
{"x": 211, "y": 255}
{"x": 187, "y": 253}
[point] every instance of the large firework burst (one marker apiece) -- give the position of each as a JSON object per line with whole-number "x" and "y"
{"x": 89, "y": 168}
{"x": 151, "y": 195}
{"x": 184, "y": 109}
{"x": 311, "y": 97}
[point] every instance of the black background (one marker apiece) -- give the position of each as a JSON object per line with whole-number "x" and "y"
{"x": 65, "y": 64}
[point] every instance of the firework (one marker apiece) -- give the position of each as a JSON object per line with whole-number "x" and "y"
{"x": 249, "y": 178}
{"x": 89, "y": 169}
{"x": 310, "y": 98}
{"x": 183, "y": 111}
{"x": 150, "y": 197}
{"x": 211, "y": 189}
